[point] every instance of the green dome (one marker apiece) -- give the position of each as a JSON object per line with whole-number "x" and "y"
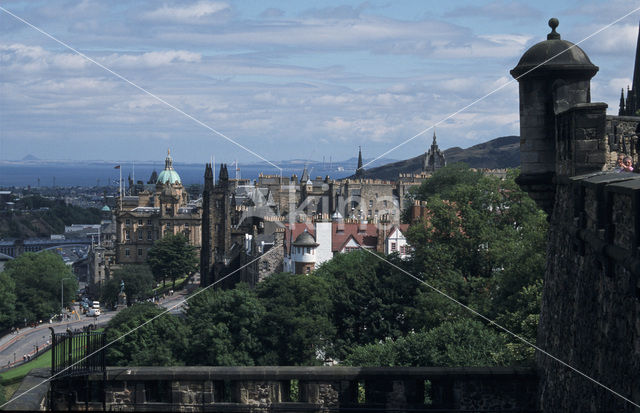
{"x": 106, "y": 209}
{"x": 168, "y": 175}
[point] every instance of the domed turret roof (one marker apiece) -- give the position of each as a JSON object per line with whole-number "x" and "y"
{"x": 168, "y": 175}
{"x": 554, "y": 54}
{"x": 305, "y": 240}
{"x": 106, "y": 209}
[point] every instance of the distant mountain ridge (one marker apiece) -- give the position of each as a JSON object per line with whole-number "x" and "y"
{"x": 498, "y": 153}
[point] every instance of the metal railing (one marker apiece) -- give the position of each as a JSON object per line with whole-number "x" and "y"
{"x": 77, "y": 353}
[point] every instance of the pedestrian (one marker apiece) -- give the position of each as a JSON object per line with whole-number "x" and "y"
{"x": 24, "y": 357}
{"x": 627, "y": 165}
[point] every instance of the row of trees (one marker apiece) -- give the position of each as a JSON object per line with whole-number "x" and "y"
{"x": 30, "y": 288}
{"x": 482, "y": 243}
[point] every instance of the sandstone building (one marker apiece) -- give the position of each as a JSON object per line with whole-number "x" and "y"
{"x": 153, "y": 212}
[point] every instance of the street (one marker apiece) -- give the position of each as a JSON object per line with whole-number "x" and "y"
{"x": 14, "y": 346}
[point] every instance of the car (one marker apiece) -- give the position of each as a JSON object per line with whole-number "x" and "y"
{"x": 93, "y": 312}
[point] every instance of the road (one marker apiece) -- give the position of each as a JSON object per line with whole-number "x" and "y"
{"x": 14, "y": 346}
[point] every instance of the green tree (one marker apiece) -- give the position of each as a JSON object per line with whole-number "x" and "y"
{"x": 460, "y": 343}
{"x": 38, "y": 278}
{"x": 7, "y": 301}
{"x": 161, "y": 342}
{"x": 296, "y": 328}
{"x": 223, "y": 327}
{"x": 172, "y": 257}
{"x": 482, "y": 243}
{"x": 138, "y": 284}
{"x": 371, "y": 299}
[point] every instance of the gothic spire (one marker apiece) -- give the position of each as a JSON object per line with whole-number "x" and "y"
{"x": 208, "y": 177}
{"x": 359, "y": 170}
{"x": 635, "y": 86}
{"x": 223, "y": 177}
{"x": 621, "y": 111}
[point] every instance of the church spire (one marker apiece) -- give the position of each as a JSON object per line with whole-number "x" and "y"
{"x": 635, "y": 86}
{"x": 621, "y": 111}
{"x": 359, "y": 170}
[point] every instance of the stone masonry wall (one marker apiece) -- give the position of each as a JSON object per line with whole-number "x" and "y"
{"x": 590, "y": 315}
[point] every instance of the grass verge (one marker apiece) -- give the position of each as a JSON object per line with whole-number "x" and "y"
{"x": 18, "y": 373}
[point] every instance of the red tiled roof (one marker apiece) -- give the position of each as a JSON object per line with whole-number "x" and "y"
{"x": 366, "y": 238}
{"x": 340, "y": 234}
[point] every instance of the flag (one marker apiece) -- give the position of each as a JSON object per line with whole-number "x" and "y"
{"x": 116, "y": 167}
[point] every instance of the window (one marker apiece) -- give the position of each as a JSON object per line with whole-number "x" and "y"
{"x": 127, "y": 252}
{"x": 369, "y": 213}
{"x": 370, "y": 203}
{"x": 385, "y": 203}
{"x": 308, "y": 250}
{"x": 393, "y": 246}
{"x": 148, "y": 222}
{"x": 149, "y": 236}
{"x": 186, "y": 225}
{"x": 127, "y": 234}
{"x": 403, "y": 249}
{"x": 127, "y": 222}
{"x": 139, "y": 222}
{"x": 308, "y": 270}
{"x": 139, "y": 252}
{"x": 139, "y": 235}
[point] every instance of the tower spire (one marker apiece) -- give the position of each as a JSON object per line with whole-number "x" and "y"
{"x": 359, "y": 170}
{"x": 635, "y": 86}
{"x": 621, "y": 111}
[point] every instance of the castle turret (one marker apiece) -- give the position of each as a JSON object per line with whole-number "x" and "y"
{"x": 554, "y": 75}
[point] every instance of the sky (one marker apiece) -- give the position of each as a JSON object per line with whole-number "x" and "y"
{"x": 274, "y": 80}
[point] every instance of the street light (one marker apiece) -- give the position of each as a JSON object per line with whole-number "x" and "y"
{"x": 62, "y": 295}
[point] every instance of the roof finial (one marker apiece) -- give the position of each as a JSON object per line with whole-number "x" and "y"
{"x": 553, "y": 23}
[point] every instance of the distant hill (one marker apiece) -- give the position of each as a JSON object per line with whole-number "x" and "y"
{"x": 30, "y": 158}
{"x": 503, "y": 152}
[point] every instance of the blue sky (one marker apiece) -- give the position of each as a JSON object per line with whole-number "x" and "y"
{"x": 286, "y": 79}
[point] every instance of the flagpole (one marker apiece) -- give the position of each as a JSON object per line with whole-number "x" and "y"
{"x": 120, "y": 183}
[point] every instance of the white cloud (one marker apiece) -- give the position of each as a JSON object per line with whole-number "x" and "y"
{"x": 151, "y": 59}
{"x": 621, "y": 38}
{"x": 35, "y": 58}
{"x": 191, "y": 14}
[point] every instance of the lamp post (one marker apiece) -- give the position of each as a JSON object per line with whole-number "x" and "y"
{"x": 62, "y": 296}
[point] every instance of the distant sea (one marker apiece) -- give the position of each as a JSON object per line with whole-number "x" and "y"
{"x": 88, "y": 174}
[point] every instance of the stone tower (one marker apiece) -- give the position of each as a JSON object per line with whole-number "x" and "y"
{"x": 553, "y": 76}
{"x": 433, "y": 159}
{"x": 216, "y": 221}
{"x": 206, "y": 253}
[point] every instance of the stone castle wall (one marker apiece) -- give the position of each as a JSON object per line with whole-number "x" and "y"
{"x": 590, "y": 316}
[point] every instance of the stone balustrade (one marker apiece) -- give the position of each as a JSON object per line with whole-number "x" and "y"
{"x": 301, "y": 389}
